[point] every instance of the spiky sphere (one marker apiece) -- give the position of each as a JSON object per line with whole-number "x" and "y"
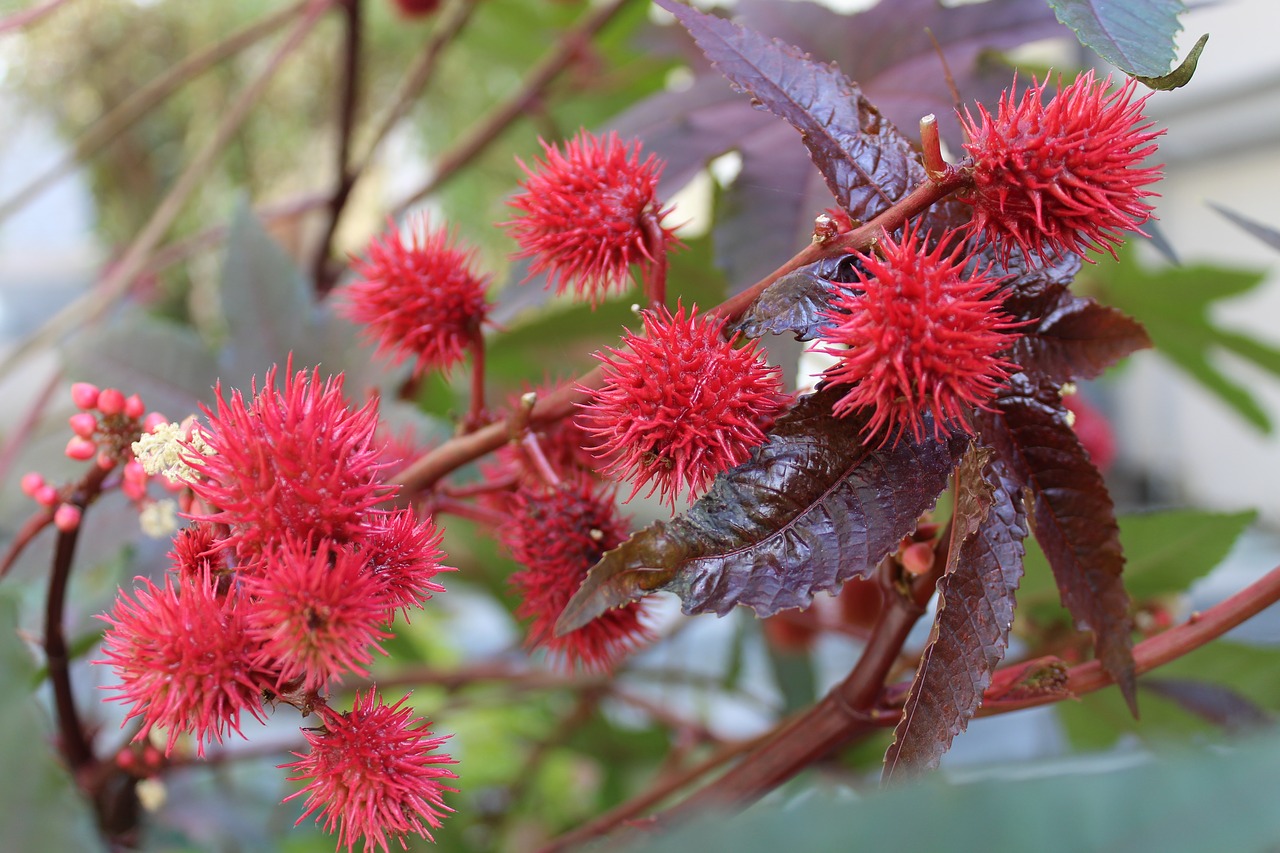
{"x": 1062, "y": 176}
{"x": 583, "y": 214}
{"x": 297, "y": 462}
{"x": 418, "y": 297}
{"x": 316, "y": 612}
{"x": 403, "y": 555}
{"x": 185, "y": 659}
{"x": 373, "y": 774}
{"x": 913, "y": 336}
{"x": 557, "y": 534}
{"x": 680, "y": 404}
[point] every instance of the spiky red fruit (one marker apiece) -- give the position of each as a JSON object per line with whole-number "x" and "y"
{"x": 185, "y": 659}
{"x": 297, "y": 462}
{"x": 403, "y": 554}
{"x": 584, "y": 215}
{"x": 418, "y": 297}
{"x": 1063, "y": 176}
{"x": 316, "y": 612}
{"x": 914, "y": 336}
{"x": 557, "y": 534}
{"x": 680, "y": 404}
{"x": 373, "y": 772}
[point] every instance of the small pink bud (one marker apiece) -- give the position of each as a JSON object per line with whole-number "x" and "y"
{"x": 134, "y": 484}
{"x": 46, "y": 495}
{"x": 105, "y": 462}
{"x": 81, "y": 449}
{"x": 917, "y": 558}
{"x": 31, "y": 483}
{"x": 133, "y": 407}
{"x": 83, "y": 424}
{"x": 111, "y": 401}
{"x": 153, "y": 420}
{"x": 84, "y": 395}
{"x": 125, "y": 759}
{"x": 67, "y": 517}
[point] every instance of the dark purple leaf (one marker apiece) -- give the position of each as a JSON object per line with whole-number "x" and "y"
{"x": 1072, "y": 517}
{"x": 867, "y": 164}
{"x": 887, "y": 49}
{"x": 811, "y": 509}
{"x": 975, "y": 611}
{"x": 1216, "y": 703}
{"x": 792, "y": 304}
{"x": 1077, "y": 339}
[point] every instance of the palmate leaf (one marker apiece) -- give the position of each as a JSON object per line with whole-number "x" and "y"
{"x": 767, "y": 213}
{"x": 866, "y": 162}
{"x": 975, "y": 611}
{"x": 794, "y": 303}
{"x": 1072, "y": 516}
{"x": 812, "y": 508}
{"x": 1078, "y": 338}
{"x": 1136, "y": 36}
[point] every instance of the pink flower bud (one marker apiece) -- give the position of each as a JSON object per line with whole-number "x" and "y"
{"x": 134, "y": 484}
{"x": 917, "y": 558}
{"x": 83, "y": 424}
{"x": 67, "y": 517}
{"x": 84, "y": 395}
{"x": 105, "y": 462}
{"x": 153, "y": 420}
{"x": 81, "y": 449}
{"x": 31, "y": 483}
{"x": 133, "y": 407}
{"x": 111, "y": 401}
{"x": 46, "y": 495}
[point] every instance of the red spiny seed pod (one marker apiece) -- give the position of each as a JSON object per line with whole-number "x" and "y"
{"x": 1062, "y": 176}
{"x": 317, "y": 613}
{"x": 418, "y": 297}
{"x": 583, "y": 215}
{"x": 184, "y": 658}
{"x": 913, "y": 336}
{"x": 557, "y": 534}
{"x": 373, "y": 773}
{"x": 404, "y": 555}
{"x": 298, "y": 462}
{"x": 680, "y": 404}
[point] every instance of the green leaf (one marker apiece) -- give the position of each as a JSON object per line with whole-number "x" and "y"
{"x": 1136, "y": 36}
{"x": 266, "y": 301}
{"x": 1167, "y": 551}
{"x": 166, "y": 364}
{"x": 1181, "y": 75}
{"x": 1188, "y": 803}
{"x": 1175, "y": 305}
{"x": 43, "y": 811}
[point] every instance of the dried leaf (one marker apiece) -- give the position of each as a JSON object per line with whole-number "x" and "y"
{"x": 975, "y": 611}
{"x": 811, "y": 509}
{"x": 1072, "y": 517}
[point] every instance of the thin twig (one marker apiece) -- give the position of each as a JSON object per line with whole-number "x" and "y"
{"x": 120, "y": 118}
{"x": 567, "y": 49}
{"x": 348, "y": 94}
{"x": 135, "y": 258}
{"x": 28, "y": 17}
